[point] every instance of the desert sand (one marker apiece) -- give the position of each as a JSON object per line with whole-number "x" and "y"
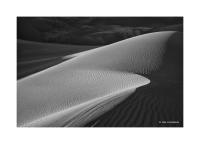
{"x": 83, "y": 88}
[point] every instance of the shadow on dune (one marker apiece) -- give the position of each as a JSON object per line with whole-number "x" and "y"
{"x": 147, "y": 107}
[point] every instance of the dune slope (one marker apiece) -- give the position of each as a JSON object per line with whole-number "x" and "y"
{"x": 33, "y": 57}
{"x": 158, "y": 104}
{"x": 59, "y": 95}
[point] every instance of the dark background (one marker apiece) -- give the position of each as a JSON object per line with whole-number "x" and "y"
{"x": 91, "y": 30}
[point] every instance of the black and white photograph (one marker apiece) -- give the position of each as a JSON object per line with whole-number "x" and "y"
{"x": 100, "y": 71}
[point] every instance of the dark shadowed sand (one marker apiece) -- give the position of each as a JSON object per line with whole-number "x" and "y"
{"x": 150, "y": 106}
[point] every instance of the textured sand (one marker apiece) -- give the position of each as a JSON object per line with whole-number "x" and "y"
{"x": 158, "y": 104}
{"x": 64, "y": 95}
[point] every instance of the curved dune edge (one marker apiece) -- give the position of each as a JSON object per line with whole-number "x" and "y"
{"x": 44, "y": 112}
{"x": 72, "y": 116}
{"x": 57, "y": 95}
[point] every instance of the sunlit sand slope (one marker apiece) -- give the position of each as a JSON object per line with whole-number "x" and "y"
{"x": 158, "y": 104}
{"x": 58, "y": 95}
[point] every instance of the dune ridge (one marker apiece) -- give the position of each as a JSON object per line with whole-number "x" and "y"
{"x": 48, "y": 98}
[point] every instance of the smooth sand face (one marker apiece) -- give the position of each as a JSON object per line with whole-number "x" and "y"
{"x": 61, "y": 92}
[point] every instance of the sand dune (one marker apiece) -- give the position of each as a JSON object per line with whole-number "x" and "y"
{"x": 66, "y": 94}
{"x": 158, "y": 104}
{"x": 80, "y": 89}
